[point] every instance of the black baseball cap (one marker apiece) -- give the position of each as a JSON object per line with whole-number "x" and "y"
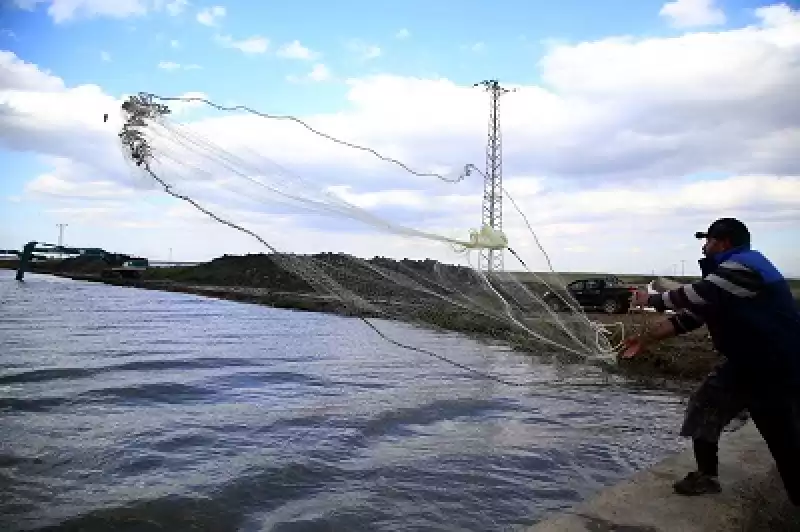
{"x": 727, "y": 228}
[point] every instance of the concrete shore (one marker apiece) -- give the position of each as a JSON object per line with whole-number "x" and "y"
{"x": 752, "y": 498}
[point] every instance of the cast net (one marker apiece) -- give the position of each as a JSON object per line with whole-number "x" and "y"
{"x": 236, "y": 181}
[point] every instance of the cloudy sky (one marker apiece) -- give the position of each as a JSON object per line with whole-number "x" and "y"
{"x": 633, "y": 124}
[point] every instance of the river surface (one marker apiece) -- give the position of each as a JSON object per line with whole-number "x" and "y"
{"x": 127, "y": 409}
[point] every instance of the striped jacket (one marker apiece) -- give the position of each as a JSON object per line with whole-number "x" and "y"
{"x": 750, "y": 313}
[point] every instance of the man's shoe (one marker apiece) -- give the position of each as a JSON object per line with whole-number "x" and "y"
{"x": 696, "y": 483}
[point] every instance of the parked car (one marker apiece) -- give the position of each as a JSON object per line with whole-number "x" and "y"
{"x": 608, "y": 294}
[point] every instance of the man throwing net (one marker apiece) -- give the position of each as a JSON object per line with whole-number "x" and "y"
{"x": 754, "y": 323}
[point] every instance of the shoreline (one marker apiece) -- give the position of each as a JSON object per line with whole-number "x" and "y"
{"x": 679, "y": 361}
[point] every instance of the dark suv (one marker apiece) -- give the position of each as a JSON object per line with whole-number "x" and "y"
{"x": 609, "y": 294}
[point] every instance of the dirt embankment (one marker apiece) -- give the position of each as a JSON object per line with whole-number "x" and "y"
{"x": 398, "y": 289}
{"x": 421, "y": 292}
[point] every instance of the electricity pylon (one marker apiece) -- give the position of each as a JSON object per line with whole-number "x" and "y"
{"x": 492, "y": 211}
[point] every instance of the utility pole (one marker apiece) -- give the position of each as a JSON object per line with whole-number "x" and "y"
{"x": 61, "y": 238}
{"x": 170, "y": 254}
{"x": 492, "y": 211}
{"x": 683, "y": 268}
{"x": 61, "y": 233}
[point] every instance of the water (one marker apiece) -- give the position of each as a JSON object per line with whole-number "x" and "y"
{"x": 126, "y": 409}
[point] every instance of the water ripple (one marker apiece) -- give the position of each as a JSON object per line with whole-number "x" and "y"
{"x": 135, "y": 410}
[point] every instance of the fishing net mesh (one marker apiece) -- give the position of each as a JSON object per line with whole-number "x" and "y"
{"x": 239, "y": 186}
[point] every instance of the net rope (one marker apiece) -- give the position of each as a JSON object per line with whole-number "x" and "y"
{"x": 148, "y": 140}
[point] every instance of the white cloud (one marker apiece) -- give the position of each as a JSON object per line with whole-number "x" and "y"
{"x": 65, "y": 10}
{"x": 665, "y": 198}
{"x": 52, "y": 185}
{"x": 174, "y": 43}
{"x": 477, "y": 47}
{"x": 180, "y": 107}
{"x": 210, "y": 16}
{"x": 295, "y": 50}
{"x": 105, "y": 56}
{"x": 251, "y": 45}
{"x": 692, "y": 13}
{"x": 172, "y": 66}
{"x": 576, "y": 249}
{"x": 409, "y": 198}
{"x": 5, "y": 32}
{"x": 403, "y": 33}
{"x": 622, "y": 133}
{"x": 318, "y": 73}
{"x": 18, "y": 75}
{"x": 363, "y": 50}
{"x": 176, "y": 7}
{"x": 169, "y": 65}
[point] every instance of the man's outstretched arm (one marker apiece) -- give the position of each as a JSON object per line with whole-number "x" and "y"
{"x": 679, "y": 323}
{"x": 730, "y": 280}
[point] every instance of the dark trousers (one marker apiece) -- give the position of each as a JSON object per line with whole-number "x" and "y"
{"x": 778, "y": 421}
{"x": 775, "y": 411}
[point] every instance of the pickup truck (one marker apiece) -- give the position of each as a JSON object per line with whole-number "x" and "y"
{"x": 609, "y": 294}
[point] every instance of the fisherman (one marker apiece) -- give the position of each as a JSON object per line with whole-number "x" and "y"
{"x": 754, "y": 324}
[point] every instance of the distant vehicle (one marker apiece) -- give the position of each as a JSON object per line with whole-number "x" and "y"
{"x": 130, "y": 269}
{"x": 608, "y": 294}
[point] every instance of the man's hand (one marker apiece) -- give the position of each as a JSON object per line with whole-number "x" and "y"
{"x": 633, "y": 346}
{"x": 661, "y": 330}
{"x": 640, "y": 298}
